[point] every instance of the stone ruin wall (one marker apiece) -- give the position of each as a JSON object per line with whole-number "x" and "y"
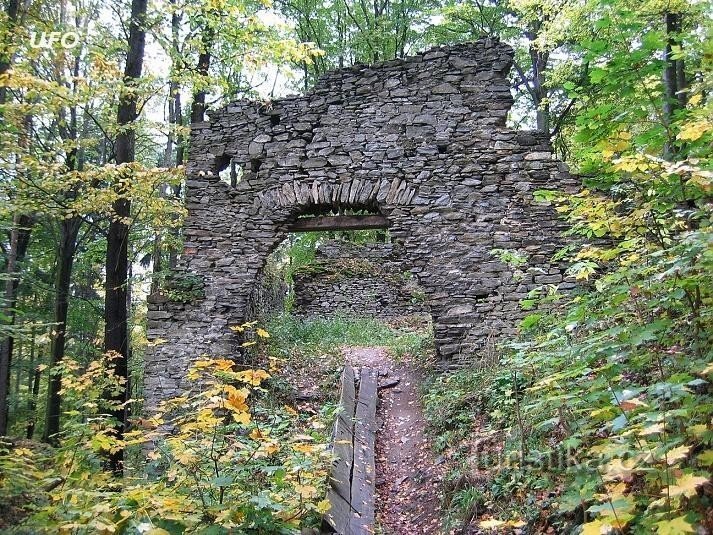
{"x": 421, "y": 141}
{"x": 363, "y": 280}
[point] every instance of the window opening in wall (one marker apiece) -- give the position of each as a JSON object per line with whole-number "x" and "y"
{"x": 231, "y": 174}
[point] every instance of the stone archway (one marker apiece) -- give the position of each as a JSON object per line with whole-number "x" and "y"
{"x": 422, "y": 144}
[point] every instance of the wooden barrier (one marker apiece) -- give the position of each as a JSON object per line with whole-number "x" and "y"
{"x": 352, "y": 480}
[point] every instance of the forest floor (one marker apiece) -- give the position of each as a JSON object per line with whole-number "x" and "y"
{"x": 408, "y": 474}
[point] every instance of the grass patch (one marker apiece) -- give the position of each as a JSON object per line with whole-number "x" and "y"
{"x": 317, "y": 336}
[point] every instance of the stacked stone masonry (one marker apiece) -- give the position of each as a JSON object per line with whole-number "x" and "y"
{"x": 421, "y": 141}
{"x": 358, "y": 280}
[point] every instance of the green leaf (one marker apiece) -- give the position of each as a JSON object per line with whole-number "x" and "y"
{"x": 677, "y": 526}
{"x": 530, "y": 321}
{"x": 223, "y": 481}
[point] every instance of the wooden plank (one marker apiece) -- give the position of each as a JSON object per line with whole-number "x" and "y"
{"x": 363, "y": 472}
{"x": 340, "y": 222}
{"x": 339, "y": 514}
{"x": 339, "y": 494}
{"x": 343, "y": 444}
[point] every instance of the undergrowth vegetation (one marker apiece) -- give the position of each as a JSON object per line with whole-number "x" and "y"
{"x": 313, "y": 337}
{"x": 225, "y": 457}
{"x": 599, "y": 414}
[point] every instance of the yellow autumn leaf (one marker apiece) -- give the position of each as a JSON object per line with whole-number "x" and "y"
{"x": 290, "y": 410}
{"x": 631, "y": 404}
{"x": 237, "y": 404}
{"x": 697, "y": 430}
{"x": 652, "y": 430}
{"x": 686, "y": 485}
{"x": 676, "y": 526}
{"x": 262, "y": 333}
{"x": 256, "y": 434}
{"x": 253, "y": 377}
{"x": 323, "y": 506}
{"x": 192, "y": 374}
{"x": 304, "y": 448}
{"x": 242, "y": 417}
{"x": 597, "y": 527}
{"x": 491, "y": 524}
{"x": 677, "y": 454}
{"x": 705, "y": 458}
{"x": 271, "y": 448}
{"x": 694, "y": 130}
{"x": 223, "y": 365}
{"x": 306, "y": 491}
{"x": 619, "y": 469}
{"x": 186, "y": 458}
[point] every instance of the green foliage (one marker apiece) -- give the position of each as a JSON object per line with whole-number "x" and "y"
{"x": 182, "y": 288}
{"x": 607, "y": 394}
{"x": 223, "y": 459}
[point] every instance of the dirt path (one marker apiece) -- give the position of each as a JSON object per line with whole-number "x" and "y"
{"x": 407, "y": 474}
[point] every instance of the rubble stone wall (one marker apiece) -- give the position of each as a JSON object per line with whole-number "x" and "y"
{"x": 358, "y": 280}
{"x": 421, "y": 141}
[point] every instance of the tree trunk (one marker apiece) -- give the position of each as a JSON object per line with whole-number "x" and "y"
{"x": 17, "y": 234}
{"x": 12, "y": 13}
{"x": 198, "y": 104}
{"x": 180, "y": 141}
{"x": 674, "y": 80}
{"x": 539, "y": 91}
{"x": 115, "y": 310}
{"x": 19, "y": 240}
{"x": 32, "y": 402}
{"x": 69, "y": 230}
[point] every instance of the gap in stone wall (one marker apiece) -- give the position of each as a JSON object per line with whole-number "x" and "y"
{"x": 338, "y": 273}
{"x": 230, "y": 172}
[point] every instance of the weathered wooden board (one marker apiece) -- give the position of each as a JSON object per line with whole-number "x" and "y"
{"x": 352, "y": 480}
{"x": 344, "y": 436}
{"x": 339, "y": 494}
{"x": 363, "y": 477}
{"x": 339, "y": 222}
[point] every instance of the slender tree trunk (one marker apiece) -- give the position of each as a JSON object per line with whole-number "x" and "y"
{"x": 19, "y": 240}
{"x": 180, "y": 141}
{"x": 117, "y": 263}
{"x": 198, "y": 104}
{"x": 12, "y": 12}
{"x": 69, "y": 230}
{"x": 233, "y": 174}
{"x": 17, "y": 251}
{"x": 539, "y": 91}
{"x": 18, "y": 365}
{"x": 32, "y": 402}
{"x": 674, "y": 80}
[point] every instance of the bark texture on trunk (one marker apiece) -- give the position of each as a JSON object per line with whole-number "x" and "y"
{"x": 117, "y": 262}
{"x": 69, "y": 231}
{"x": 198, "y": 104}
{"x": 674, "y": 79}
{"x": 19, "y": 240}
